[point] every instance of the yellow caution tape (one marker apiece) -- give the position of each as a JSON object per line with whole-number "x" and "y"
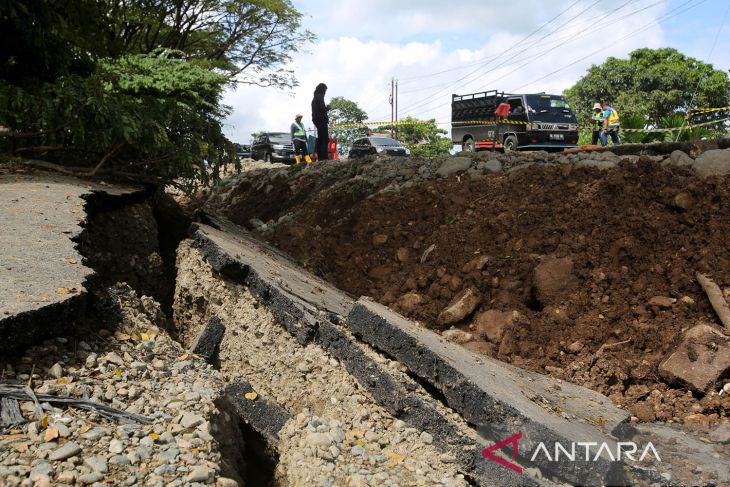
{"x": 696, "y": 111}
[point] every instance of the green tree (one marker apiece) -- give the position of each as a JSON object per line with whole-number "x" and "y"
{"x": 342, "y": 112}
{"x": 136, "y": 86}
{"x": 655, "y": 83}
{"x": 422, "y": 137}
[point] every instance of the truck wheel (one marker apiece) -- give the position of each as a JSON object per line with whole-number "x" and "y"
{"x": 468, "y": 145}
{"x": 267, "y": 157}
{"x": 510, "y": 143}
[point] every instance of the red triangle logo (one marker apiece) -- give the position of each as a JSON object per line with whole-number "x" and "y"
{"x": 487, "y": 452}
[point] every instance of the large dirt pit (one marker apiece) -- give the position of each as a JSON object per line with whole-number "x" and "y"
{"x": 582, "y": 273}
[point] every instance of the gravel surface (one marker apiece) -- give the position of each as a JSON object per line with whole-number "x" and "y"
{"x": 338, "y": 435}
{"x": 134, "y": 366}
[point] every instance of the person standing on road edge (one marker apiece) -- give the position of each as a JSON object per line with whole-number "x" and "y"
{"x": 611, "y": 124}
{"x": 320, "y": 120}
{"x": 597, "y": 119}
{"x": 299, "y": 140}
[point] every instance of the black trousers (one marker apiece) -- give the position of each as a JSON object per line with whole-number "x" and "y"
{"x": 300, "y": 147}
{"x": 323, "y": 139}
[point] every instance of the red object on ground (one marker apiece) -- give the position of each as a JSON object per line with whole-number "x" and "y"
{"x": 332, "y": 150}
{"x": 502, "y": 110}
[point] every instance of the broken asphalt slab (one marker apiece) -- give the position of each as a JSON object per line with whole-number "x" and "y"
{"x": 501, "y": 399}
{"x": 309, "y": 309}
{"x": 312, "y": 310}
{"x": 43, "y": 280}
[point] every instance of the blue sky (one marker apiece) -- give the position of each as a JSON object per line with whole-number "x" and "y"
{"x": 436, "y": 48}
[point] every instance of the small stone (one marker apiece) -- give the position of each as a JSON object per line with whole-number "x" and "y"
{"x": 379, "y": 239}
{"x": 67, "y": 450}
{"x": 190, "y": 420}
{"x": 456, "y": 335}
{"x": 90, "y": 478}
{"x": 427, "y": 438}
{"x": 43, "y": 468}
{"x": 66, "y": 477}
{"x": 662, "y": 301}
{"x": 461, "y": 306}
{"x": 56, "y": 371}
{"x": 116, "y": 446}
{"x": 318, "y": 439}
{"x": 93, "y": 434}
{"x": 97, "y": 463}
{"x": 358, "y": 451}
{"x": 119, "y": 460}
{"x": 91, "y": 361}
{"x": 113, "y": 358}
{"x": 199, "y": 474}
{"x": 63, "y": 430}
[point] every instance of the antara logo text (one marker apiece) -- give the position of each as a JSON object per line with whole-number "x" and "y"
{"x": 574, "y": 452}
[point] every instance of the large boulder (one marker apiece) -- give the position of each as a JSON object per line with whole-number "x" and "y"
{"x": 713, "y": 163}
{"x": 453, "y": 165}
{"x": 700, "y": 360}
{"x": 554, "y": 280}
{"x": 678, "y": 158}
{"x": 461, "y": 306}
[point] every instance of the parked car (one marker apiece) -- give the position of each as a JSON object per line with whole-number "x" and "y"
{"x": 273, "y": 147}
{"x": 243, "y": 151}
{"x": 378, "y": 145}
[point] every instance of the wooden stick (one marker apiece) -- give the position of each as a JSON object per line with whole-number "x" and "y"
{"x": 717, "y": 300}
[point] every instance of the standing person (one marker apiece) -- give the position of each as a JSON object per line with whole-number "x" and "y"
{"x": 320, "y": 119}
{"x": 611, "y": 124}
{"x": 597, "y": 119}
{"x": 299, "y": 139}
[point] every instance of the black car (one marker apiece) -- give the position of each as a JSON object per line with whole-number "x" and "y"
{"x": 378, "y": 145}
{"x": 273, "y": 147}
{"x": 243, "y": 150}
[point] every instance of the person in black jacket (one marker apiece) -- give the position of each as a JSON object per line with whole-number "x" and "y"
{"x": 320, "y": 119}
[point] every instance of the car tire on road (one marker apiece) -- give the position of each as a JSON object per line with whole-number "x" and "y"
{"x": 267, "y": 157}
{"x": 510, "y": 143}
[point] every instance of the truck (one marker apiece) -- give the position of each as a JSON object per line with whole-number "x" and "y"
{"x": 512, "y": 122}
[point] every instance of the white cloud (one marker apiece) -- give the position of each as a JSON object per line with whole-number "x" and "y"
{"x": 361, "y": 70}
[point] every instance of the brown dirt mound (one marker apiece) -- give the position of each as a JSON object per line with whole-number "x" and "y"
{"x": 578, "y": 253}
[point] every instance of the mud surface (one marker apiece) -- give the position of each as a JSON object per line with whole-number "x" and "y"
{"x": 581, "y": 255}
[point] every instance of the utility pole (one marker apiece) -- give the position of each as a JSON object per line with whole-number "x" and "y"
{"x": 391, "y": 100}
{"x": 396, "y": 109}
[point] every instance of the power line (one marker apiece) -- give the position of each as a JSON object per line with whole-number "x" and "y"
{"x": 631, "y": 34}
{"x": 635, "y": 32}
{"x": 481, "y": 66}
{"x": 492, "y": 57}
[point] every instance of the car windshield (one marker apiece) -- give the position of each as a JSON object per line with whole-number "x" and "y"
{"x": 381, "y": 141}
{"x": 549, "y": 108}
{"x": 280, "y": 138}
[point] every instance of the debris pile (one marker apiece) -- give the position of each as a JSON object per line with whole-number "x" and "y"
{"x": 578, "y": 265}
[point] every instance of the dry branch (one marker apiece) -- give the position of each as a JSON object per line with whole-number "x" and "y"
{"x": 23, "y": 393}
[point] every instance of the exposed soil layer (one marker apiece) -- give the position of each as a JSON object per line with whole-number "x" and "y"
{"x": 578, "y": 253}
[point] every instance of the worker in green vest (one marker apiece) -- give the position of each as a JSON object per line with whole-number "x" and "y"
{"x": 299, "y": 139}
{"x": 597, "y": 119}
{"x": 611, "y": 124}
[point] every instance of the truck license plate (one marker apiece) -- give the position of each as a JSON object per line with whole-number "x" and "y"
{"x": 557, "y": 137}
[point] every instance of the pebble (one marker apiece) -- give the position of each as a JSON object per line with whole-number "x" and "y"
{"x": 56, "y": 371}
{"x": 191, "y": 420}
{"x": 427, "y": 438}
{"x": 66, "y": 451}
{"x": 116, "y": 446}
{"x": 199, "y": 474}
{"x": 97, "y": 463}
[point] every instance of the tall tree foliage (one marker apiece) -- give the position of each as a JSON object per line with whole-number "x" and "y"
{"x": 344, "y": 111}
{"x": 653, "y": 83}
{"x": 136, "y": 86}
